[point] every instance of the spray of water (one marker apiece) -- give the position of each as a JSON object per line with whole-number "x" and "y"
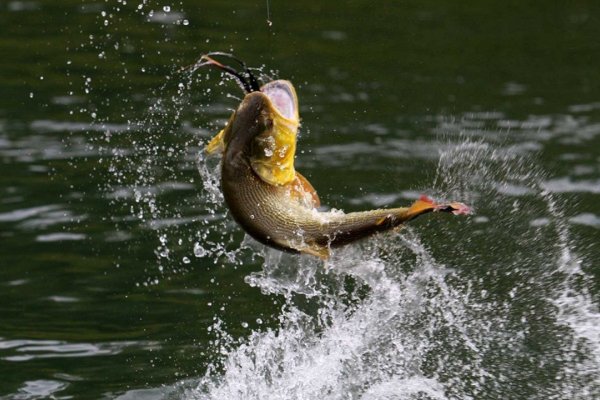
{"x": 425, "y": 315}
{"x": 495, "y": 306}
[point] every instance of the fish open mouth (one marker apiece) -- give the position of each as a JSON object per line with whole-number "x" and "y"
{"x": 271, "y": 152}
{"x": 283, "y": 98}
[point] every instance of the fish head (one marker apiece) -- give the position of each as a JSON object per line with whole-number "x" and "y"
{"x": 264, "y": 128}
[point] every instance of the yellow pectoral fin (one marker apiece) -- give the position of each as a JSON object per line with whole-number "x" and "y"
{"x": 216, "y": 144}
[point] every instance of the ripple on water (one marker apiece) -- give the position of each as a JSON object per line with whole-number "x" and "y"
{"x": 39, "y": 389}
{"x": 49, "y": 218}
{"x": 17, "y": 282}
{"x": 60, "y": 237}
{"x": 340, "y": 154}
{"x": 44, "y": 147}
{"x": 137, "y": 193}
{"x": 166, "y": 17}
{"x": 567, "y": 185}
{"x": 63, "y": 299}
{"x": 513, "y": 190}
{"x": 20, "y": 350}
{"x": 24, "y": 213}
{"x": 573, "y": 127}
{"x": 587, "y": 219}
{"x": 46, "y": 125}
{"x": 582, "y": 108}
{"x": 18, "y": 6}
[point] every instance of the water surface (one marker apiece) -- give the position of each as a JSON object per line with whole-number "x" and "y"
{"x": 122, "y": 275}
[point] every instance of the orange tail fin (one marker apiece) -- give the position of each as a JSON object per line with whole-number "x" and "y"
{"x": 423, "y": 205}
{"x": 426, "y": 204}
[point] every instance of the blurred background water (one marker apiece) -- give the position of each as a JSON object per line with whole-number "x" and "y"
{"x": 122, "y": 276}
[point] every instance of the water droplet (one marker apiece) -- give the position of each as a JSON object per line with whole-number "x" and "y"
{"x": 199, "y": 251}
{"x": 167, "y": 9}
{"x": 283, "y": 151}
{"x": 186, "y": 260}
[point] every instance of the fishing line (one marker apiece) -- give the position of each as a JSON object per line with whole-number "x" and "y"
{"x": 269, "y": 22}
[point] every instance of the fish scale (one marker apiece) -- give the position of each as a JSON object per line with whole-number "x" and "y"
{"x": 265, "y": 207}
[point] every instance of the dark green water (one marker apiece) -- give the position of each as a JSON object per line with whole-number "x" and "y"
{"x": 121, "y": 275}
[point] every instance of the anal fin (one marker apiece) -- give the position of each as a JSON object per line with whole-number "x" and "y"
{"x": 318, "y": 251}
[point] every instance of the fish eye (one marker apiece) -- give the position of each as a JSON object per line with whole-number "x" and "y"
{"x": 269, "y": 123}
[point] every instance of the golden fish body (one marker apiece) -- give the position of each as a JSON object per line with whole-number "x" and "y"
{"x": 274, "y": 203}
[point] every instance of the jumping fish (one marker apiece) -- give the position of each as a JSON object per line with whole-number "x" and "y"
{"x": 272, "y": 201}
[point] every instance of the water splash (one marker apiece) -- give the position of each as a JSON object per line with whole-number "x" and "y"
{"x": 396, "y": 318}
{"x": 423, "y": 314}
{"x": 160, "y": 156}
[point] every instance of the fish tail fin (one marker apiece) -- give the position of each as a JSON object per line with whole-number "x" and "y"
{"x": 425, "y": 204}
